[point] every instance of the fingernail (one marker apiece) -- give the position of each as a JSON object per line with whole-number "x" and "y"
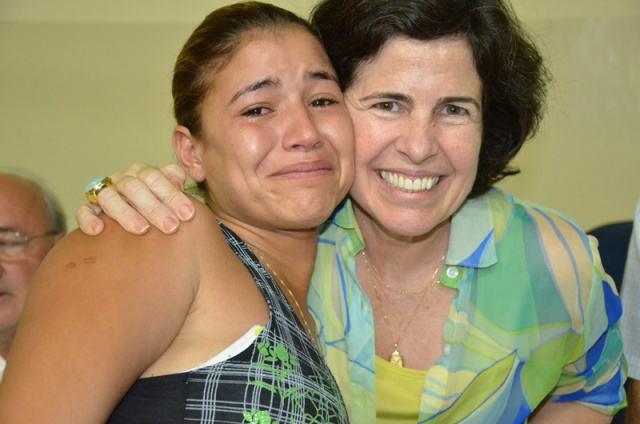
{"x": 186, "y": 212}
{"x": 170, "y": 225}
{"x": 142, "y": 227}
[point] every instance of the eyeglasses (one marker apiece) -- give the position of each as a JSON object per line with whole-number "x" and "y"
{"x": 13, "y": 245}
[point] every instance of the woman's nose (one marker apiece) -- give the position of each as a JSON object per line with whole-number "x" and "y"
{"x": 302, "y": 130}
{"x": 420, "y": 140}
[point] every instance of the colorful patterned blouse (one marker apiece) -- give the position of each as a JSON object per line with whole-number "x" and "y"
{"x": 631, "y": 301}
{"x": 535, "y": 316}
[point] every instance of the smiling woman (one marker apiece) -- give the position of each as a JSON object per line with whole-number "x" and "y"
{"x": 414, "y": 103}
{"x": 200, "y": 326}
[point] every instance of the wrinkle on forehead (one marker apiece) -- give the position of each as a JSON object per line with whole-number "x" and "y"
{"x": 445, "y": 65}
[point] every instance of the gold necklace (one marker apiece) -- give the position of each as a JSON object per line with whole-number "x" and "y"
{"x": 282, "y": 283}
{"x": 420, "y": 290}
{"x": 396, "y": 358}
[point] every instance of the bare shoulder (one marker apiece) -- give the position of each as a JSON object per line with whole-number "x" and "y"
{"x": 93, "y": 302}
{"x": 126, "y": 264}
{"x": 117, "y": 248}
{"x": 211, "y": 247}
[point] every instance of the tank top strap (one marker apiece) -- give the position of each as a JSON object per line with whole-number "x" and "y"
{"x": 276, "y": 300}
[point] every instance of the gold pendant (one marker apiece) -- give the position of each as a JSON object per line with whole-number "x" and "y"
{"x": 396, "y": 358}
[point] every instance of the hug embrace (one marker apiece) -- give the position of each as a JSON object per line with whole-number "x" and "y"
{"x": 352, "y": 260}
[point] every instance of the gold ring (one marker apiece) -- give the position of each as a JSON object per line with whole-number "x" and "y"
{"x": 95, "y": 186}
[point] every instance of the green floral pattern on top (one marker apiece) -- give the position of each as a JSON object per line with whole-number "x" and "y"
{"x": 258, "y": 381}
{"x": 278, "y": 361}
{"x": 261, "y": 417}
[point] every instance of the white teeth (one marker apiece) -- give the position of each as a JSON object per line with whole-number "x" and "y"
{"x": 406, "y": 184}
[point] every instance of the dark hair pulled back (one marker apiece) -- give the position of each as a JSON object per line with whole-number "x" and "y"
{"x": 212, "y": 45}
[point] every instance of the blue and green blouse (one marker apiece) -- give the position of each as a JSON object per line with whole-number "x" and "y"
{"x": 535, "y": 317}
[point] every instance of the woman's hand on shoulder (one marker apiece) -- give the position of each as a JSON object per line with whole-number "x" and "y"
{"x": 140, "y": 196}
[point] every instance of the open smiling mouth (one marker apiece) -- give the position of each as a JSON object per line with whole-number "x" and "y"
{"x": 405, "y": 184}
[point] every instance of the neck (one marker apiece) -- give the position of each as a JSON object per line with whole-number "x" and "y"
{"x": 409, "y": 257}
{"x": 290, "y": 253}
{"x": 6, "y": 338}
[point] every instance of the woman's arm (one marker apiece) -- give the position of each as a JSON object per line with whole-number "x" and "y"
{"x": 632, "y": 414}
{"x": 589, "y": 387}
{"x": 567, "y": 413}
{"x": 99, "y": 313}
{"x": 142, "y": 195}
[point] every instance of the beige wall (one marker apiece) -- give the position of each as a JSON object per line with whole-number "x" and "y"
{"x": 84, "y": 91}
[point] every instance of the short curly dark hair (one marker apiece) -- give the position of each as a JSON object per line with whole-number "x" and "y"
{"x": 511, "y": 68}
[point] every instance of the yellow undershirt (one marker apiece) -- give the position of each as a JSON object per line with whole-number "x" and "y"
{"x": 398, "y": 393}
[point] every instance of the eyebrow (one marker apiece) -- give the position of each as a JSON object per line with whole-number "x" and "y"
{"x": 410, "y": 100}
{"x": 389, "y": 95}
{"x": 321, "y": 75}
{"x": 269, "y": 82}
{"x": 459, "y": 99}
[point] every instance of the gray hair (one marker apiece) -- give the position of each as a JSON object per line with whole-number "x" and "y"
{"x": 55, "y": 213}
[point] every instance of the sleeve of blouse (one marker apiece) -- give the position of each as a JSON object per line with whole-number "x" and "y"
{"x": 595, "y": 370}
{"x": 631, "y": 301}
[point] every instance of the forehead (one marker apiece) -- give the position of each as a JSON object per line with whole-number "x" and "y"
{"x": 287, "y": 52}
{"x": 21, "y": 206}
{"x": 270, "y": 39}
{"x": 440, "y": 63}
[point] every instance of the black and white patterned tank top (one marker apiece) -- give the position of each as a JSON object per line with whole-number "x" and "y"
{"x": 279, "y": 378}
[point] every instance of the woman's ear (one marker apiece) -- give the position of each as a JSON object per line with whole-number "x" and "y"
{"x": 189, "y": 152}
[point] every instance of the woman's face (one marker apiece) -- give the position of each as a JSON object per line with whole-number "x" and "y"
{"x": 278, "y": 140}
{"x": 416, "y": 111}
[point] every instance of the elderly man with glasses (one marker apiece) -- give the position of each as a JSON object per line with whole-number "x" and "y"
{"x": 31, "y": 222}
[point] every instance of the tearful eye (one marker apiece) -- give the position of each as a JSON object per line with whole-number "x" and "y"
{"x": 257, "y": 111}
{"x": 387, "y": 106}
{"x": 323, "y": 102}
